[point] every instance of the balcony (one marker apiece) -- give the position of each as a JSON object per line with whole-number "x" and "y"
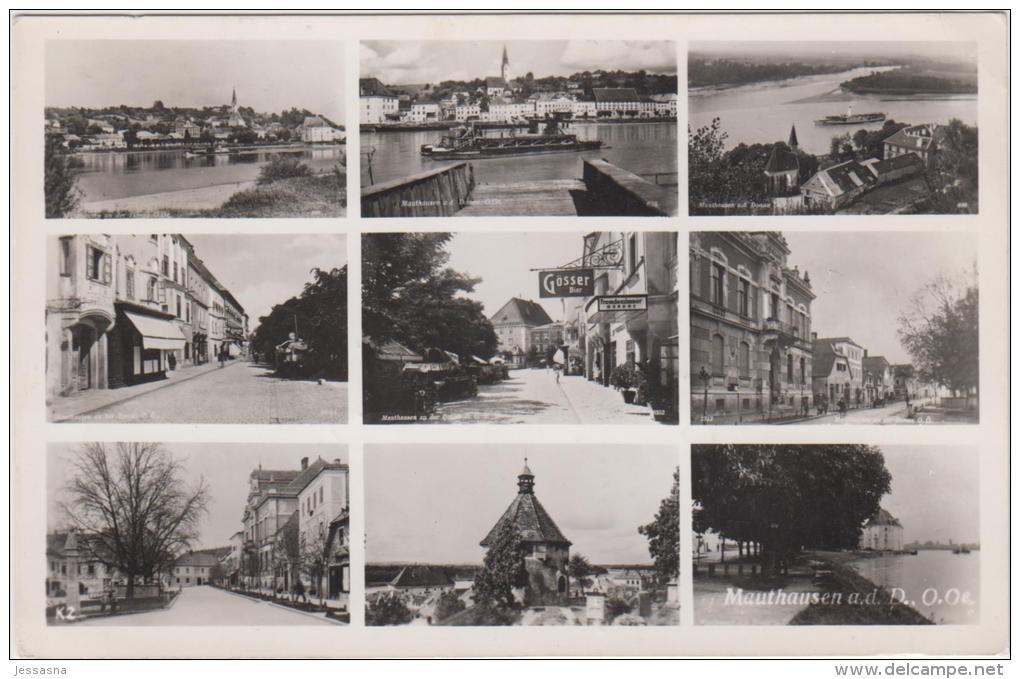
{"x": 787, "y": 334}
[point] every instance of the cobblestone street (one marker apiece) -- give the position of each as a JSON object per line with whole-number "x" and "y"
{"x": 206, "y": 605}
{"x": 532, "y": 396}
{"x": 242, "y": 392}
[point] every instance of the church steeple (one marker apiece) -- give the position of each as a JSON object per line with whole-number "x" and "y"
{"x": 793, "y": 138}
{"x": 505, "y": 66}
{"x": 526, "y": 480}
{"x": 233, "y": 99}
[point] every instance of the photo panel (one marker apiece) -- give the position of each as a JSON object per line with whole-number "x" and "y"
{"x": 519, "y": 128}
{"x": 183, "y": 329}
{"x": 520, "y": 328}
{"x": 478, "y": 548}
{"x": 143, "y": 534}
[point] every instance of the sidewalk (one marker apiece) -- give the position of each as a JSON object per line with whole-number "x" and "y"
{"x": 68, "y": 408}
{"x": 596, "y": 404}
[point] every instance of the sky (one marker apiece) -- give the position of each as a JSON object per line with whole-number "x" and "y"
{"x": 405, "y": 62}
{"x": 935, "y": 492}
{"x": 849, "y": 48}
{"x": 434, "y": 504}
{"x": 269, "y": 76}
{"x": 863, "y": 280}
{"x": 263, "y": 270}
{"x": 504, "y": 262}
{"x": 224, "y": 466}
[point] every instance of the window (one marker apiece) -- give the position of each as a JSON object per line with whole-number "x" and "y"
{"x": 789, "y": 368}
{"x": 718, "y": 356}
{"x": 718, "y": 282}
{"x": 774, "y": 306}
{"x": 631, "y": 351}
{"x": 178, "y": 306}
{"x": 803, "y": 370}
{"x": 175, "y": 272}
{"x": 65, "y": 256}
{"x": 743, "y": 294}
{"x": 166, "y": 265}
{"x": 99, "y": 266}
{"x": 129, "y": 284}
{"x": 150, "y": 290}
{"x": 744, "y": 359}
{"x": 632, "y": 258}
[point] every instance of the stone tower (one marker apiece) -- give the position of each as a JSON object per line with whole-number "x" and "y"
{"x": 546, "y": 549}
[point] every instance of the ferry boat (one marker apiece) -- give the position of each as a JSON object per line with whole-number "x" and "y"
{"x": 850, "y": 118}
{"x": 545, "y": 135}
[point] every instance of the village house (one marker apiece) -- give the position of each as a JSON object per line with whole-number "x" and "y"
{"x": 751, "y": 350}
{"x": 70, "y": 564}
{"x": 195, "y": 568}
{"x": 838, "y": 370}
{"x": 315, "y": 130}
{"x": 417, "y": 580}
{"x": 882, "y": 533}
{"x": 513, "y": 324}
{"x": 878, "y": 378}
{"x": 921, "y": 140}
{"x": 376, "y": 103}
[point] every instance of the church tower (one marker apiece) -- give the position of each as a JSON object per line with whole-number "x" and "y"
{"x": 233, "y": 101}
{"x": 546, "y": 549}
{"x": 504, "y": 69}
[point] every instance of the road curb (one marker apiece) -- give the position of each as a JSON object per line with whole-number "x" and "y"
{"x": 128, "y": 397}
{"x": 286, "y": 608}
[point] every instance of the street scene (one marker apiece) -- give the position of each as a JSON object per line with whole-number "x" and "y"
{"x": 519, "y": 328}
{"x": 518, "y": 128}
{"x": 216, "y": 129}
{"x": 842, "y": 327}
{"x": 833, "y": 128}
{"x": 148, "y": 534}
{"x": 602, "y": 547}
{"x": 835, "y": 535}
{"x": 182, "y": 329}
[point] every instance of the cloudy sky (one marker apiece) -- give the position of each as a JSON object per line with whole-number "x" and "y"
{"x": 504, "y": 261}
{"x": 863, "y": 280}
{"x": 935, "y": 492}
{"x": 264, "y": 270}
{"x": 850, "y": 48}
{"x": 436, "y": 503}
{"x": 269, "y": 76}
{"x": 224, "y": 466}
{"x": 406, "y": 62}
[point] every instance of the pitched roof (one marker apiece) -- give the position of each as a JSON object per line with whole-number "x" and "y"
{"x": 875, "y": 363}
{"x": 524, "y": 311}
{"x": 883, "y": 518}
{"x": 845, "y": 177}
{"x": 897, "y": 163}
{"x": 373, "y": 87}
{"x": 613, "y": 94}
{"x": 781, "y": 159}
{"x": 196, "y": 559}
{"x": 495, "y": 81}
{"x": 919, "y": 137}
{"x": 422, "y": 576}
{"x": 314, "y": 121}
{"x": 528, "y": 516}
{"x": 824, "y": 354}
{"x": 793, "y": 143}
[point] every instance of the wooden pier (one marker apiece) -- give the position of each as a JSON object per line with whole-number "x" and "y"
{"x": 603, "y": 190}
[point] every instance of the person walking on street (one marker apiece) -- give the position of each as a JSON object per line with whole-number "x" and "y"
{"x": 172, "y": 360}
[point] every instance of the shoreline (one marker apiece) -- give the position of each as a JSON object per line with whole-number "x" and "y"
{"x": 238, "y": 150}
{"x": 724, "y": 87}
{"x": 204, "y": 197}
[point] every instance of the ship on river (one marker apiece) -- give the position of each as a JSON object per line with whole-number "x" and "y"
{"x": 850, "y": 118}
{"x": 545, "y": 135}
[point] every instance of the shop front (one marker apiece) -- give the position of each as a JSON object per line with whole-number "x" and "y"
{"x": 141, "y": 344}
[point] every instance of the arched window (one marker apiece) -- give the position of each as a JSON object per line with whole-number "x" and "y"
{"x": 718, "y": 355}
{"x": 150, "y": 290}
{"x": 744, "y": 359}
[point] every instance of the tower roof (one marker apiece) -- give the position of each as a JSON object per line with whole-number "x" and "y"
{"x": 793, "y": 137}
{"x": 528, "y": 516}
{"x": 781, "y": 159}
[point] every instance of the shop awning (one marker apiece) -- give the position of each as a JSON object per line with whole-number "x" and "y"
{"x": 156, "y": 333}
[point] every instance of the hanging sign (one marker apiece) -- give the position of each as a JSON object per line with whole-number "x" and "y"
{"x": 566, "y": 283}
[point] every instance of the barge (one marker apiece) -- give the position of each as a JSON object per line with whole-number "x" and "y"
{"x": 545, "y": 135}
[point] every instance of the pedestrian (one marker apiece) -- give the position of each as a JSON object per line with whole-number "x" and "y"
{"x": 223, "y": 357}
{"x": 842, "y": 407}
{"x": 299, "y": 591}
{"x": 556, "y": 369}
{"x": 172, "y": 360}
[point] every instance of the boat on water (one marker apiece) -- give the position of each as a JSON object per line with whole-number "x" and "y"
{"x": 961, "y": 550}
{"x": 545, "y": 135}
{"x": 201, "y": 153}
{"x": 851, "y": 118}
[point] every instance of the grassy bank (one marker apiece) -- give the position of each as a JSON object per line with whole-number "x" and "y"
{"x": 861, "y": 602}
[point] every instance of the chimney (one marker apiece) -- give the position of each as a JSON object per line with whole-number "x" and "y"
{"x": 304, "y": 463}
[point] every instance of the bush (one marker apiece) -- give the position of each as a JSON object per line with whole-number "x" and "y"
{"x": 630, "y": 620}
{"x": 616, "y": 607}
{"x": 388, "y": 609}
{"x": 282, "y": 167}
{"x": 448, "y": 604}
{"x": 627, "y": 376}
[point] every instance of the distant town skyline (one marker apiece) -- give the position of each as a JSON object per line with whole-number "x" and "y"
{"x": 267, "y": 269}
{"x": 269, "y": 76}
{"x": 224, "y": 466}
{"x": 963, "y": 51}
{"x": 864, "y": 281}
{"x": 404, "y": 62}
{"x": 434, "y": 504}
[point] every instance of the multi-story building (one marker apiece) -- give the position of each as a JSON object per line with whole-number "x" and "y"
{"x": 79, "y": 312}
{"x": 546, "y": 338}
{"x": 324, "y": 524}
{"x": 174, "y": 262}
{"x": 315, "y": 130}
{"x": 878, "y": 378}
{"x": 424, "y": 113}
{"x": 513, "y": 324}
{"x": 196, "y": 568}
{"x": 883, "y": 532}
{"x": 72, "y": 566}
{"x": 217, "y": 318}
{"x": 233, "y": 323}
{"x": 465, "y": 112}
{"x": 376, "y": 103}
{"x": 751, "y": 350}
{"x": 632, "y": 317}
{"x": 921, "y": 140}
{"x": 617, "y": 102}
{"x": 838, "y": 370}
{"x": 200, "y": 296}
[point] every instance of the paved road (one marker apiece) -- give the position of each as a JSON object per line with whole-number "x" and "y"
{"x": 209, "y": 606}
{"x": 242, "y": 392}
{"x": 895, "y": 413}
{"x": 534, "y": 397}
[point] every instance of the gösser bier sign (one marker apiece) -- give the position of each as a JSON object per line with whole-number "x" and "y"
{"x": 566, "y": 283}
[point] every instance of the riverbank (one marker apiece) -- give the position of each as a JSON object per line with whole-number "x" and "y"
{"x": 322, "y": 195}
{"x": 840, "y": 95}
{"x": 198, "y": 149}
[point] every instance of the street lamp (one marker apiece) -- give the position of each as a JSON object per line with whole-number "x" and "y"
{"x": 704, "y": 377}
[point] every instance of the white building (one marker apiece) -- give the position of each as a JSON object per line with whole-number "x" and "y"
{"x": 424, "y": 113}
{"x": 883, "y": 533}
{"x": 464, "y": 112}
{"x": 376, "y": 103}
{"x": 315, "y": 130}
{"x": 583, "y": 109}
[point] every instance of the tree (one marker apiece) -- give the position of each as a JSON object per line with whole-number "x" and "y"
{"x": 448, "y": 604}
{"x": 581, "y": 570}
{"x": 60, "y": 186}
{"x": 134, "y": 505}
{"x": 409, "y": 295}
{"x": 502, "y": 569}
{"x": 663, "y": 534}
{"x": 953, "y": 176}
{"x": 388, "y": 609}
{"x": 841, "y": 147}
{"x": 940, "y": 332}
{"x": 716, "y": 176}
{"x": 314, "y": 560}
{"x": 286, "y": 553}
{"x": 787, "y": 497}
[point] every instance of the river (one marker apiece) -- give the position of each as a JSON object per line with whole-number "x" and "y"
{"x": 764, "y": 112}
{"x": 105, "y": 176}
{"x": 642, "y": 148}
{"x": 935, "y": 582}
